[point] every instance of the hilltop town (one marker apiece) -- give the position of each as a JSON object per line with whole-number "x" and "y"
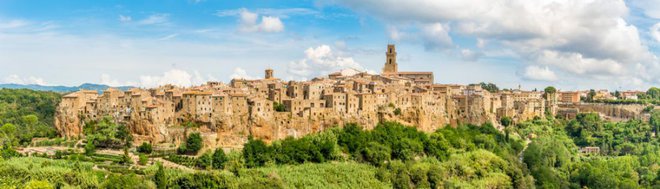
{"x": 272, "y": 109}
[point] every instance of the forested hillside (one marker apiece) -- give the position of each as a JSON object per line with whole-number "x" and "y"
{"x": 26, "y": 113}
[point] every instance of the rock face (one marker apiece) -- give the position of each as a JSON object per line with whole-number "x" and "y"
{"x": 613, "y": 112}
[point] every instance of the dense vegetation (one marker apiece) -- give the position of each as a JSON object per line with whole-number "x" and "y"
{"x": 25, "y": 114}
{"x": 540, "y": 153}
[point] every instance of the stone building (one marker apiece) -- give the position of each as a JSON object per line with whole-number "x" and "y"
{"x": 228, "y": 113}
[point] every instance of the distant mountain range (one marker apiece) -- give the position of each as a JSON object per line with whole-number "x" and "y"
{"x": 63, "y": 89}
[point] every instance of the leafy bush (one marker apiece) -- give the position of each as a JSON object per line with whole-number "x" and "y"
{"x": 204, "y": 161}
{"x": 256, "y": 153}
{"x": 376, "y": 153}
{"x": 219, "y": 159}
{"x": 397, "y": 111}
{"x": 192, "y": 146}
{"x": 143, "y": 159}
{"x": 145, "y": 148}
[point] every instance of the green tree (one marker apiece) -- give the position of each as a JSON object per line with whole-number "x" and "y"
{"x": 550, "y": 90}
{"x": 145, "y": 148}
{"x": 278, "y": 107}
{"x": 590, "y": 95}
{"x": 143, "y": 159}
{"x": 205, "y": 161}
{"x": 193, "y": 144}
{"x": 219, "y": 159}
{"x": 397, "y": 111}
{"x": 653, "y": 93}
{"x": 376, "y": 154}
{"x": 160, "y": 178}
{"x": 654, "y": 120}
{"x": 490, "y": 87}
{"x": 256, "y": 153}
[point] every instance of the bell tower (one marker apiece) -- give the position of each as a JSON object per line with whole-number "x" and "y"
{"x": 269, "y": 74}
{"x": 390, "y": 60}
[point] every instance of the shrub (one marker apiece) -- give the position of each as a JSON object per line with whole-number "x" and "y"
{"x": 376, "y": 153}
{"x": 204, "y": 161}
{"x": 279, "y": 107}
{"x": 90, "y": 147}
{"x": 192, "y": 146}
{"x": 143, "y": 159}
{"x": 256, "y": 153}
{"x": 37, "y": 184}
{"x": 160, "y": 178}
{"x": 219, "y": 159}
{"x": 397, "y": 111}
{"x": 145, "y": 148}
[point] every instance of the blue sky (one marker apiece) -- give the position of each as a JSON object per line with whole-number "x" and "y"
{"x": 570, "y": 44}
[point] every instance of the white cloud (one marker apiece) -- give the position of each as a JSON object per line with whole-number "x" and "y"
{"x": 436, "y": 36}
{"x": 240, "y": 73}
{"x": 539, "y": 73}
{"x": 155, "y": 19}
{"x": 655, "y": 32}
{"x": 271, "y": 24}
{"x": 15, "y": 79}
{"x": 12, "y": 24}
{"x": 593, "y": 37}
{"x": 249, "y": 22}
{"x": 106, "y": 79}
{"x": 174, "y": 76}
{"x": 576, "y": 63}
{"x": 123, "y": 18}
{"x": 320, "y": 61}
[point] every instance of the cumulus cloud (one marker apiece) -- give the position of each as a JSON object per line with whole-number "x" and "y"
{"x": 436, "y": 36}
{"x": 249, "y": 22}
{"x": 15, "y": 79}
{"x": 106, "y": 79}
{"x": 240, "y": 73}
{"x": 320, "y": 61}
{"x": 580, "y": 37}
{"x": 655, "y": 32}
{"x": 539, "y": 73}
{"x": 174, "y": 76}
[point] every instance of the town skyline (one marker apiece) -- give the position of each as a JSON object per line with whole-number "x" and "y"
{"x": 191, "y": 42}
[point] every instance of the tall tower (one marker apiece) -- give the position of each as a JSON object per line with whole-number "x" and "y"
{"x": 269, "y": 73}
{"x": 390, "y": 61}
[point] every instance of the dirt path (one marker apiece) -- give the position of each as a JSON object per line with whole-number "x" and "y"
{"x": 50, "y": 150}
{"x": 136, "y": 158}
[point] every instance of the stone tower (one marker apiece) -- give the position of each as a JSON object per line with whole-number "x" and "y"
{"x": 390, "y": 61}
{"x": 269, "y": 73}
